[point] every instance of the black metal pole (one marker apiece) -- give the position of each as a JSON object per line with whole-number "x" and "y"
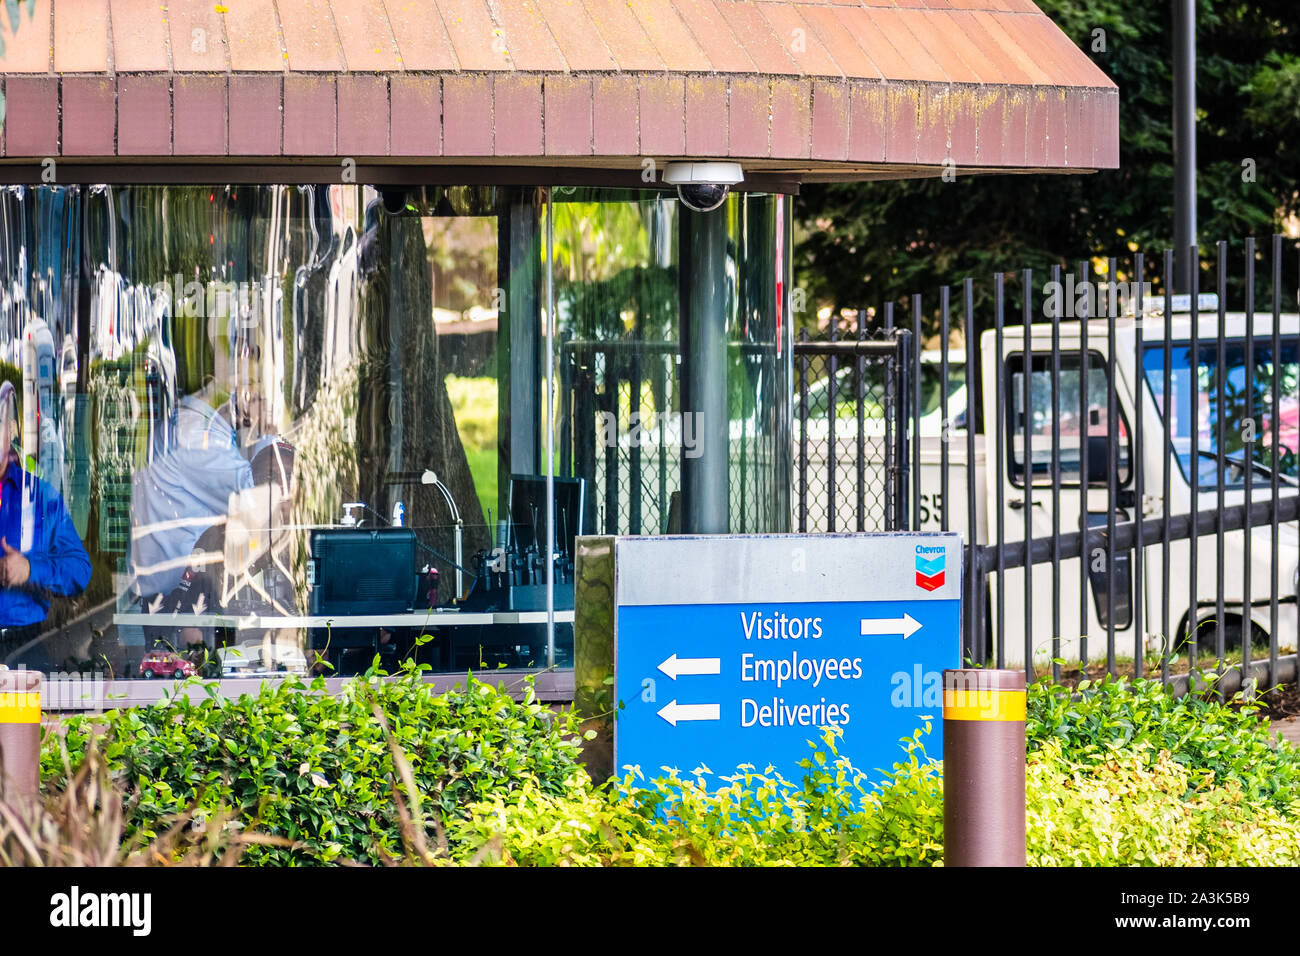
{"x": 1184, "y": 62}
{"x": 705, "y": 506}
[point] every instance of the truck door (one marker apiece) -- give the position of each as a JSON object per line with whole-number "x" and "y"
{"x": 1025, "y": 483}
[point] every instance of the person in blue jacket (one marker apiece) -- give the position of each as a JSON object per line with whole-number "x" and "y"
{"x": 55, "y": 561}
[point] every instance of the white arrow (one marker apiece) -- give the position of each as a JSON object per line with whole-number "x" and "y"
{"x": 673, "y": 712}
{"x": 905, "y": 625}
{"x": 691, "y": 665}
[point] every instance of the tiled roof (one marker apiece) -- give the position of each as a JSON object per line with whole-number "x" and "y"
{"x": 803, "y": 85}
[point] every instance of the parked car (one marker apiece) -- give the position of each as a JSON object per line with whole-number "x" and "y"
{"x": 165, "y": 664}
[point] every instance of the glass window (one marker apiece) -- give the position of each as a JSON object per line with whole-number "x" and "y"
{"x": 1072, "y": 423}
{"x": 261, "y": 430}
{"x": 625, "y": 425}
{"x": 1276, "y": 429}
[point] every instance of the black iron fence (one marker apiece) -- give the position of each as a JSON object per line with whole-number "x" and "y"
{"x": 850, "y": 423}
{"x": 1123, "y": 461}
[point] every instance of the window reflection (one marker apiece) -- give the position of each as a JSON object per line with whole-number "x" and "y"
{"x": 292, "y": 429}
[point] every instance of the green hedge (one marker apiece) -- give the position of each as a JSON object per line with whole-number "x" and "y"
{"x": 319, "y": 769}
{"x": 1118, "y": 774}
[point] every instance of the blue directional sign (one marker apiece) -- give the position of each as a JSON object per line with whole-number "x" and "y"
{"x": 735, "y": 650}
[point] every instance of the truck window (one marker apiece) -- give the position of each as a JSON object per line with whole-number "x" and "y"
{"x": 1072, "y": 428}
{"x": 1255, "y": 441}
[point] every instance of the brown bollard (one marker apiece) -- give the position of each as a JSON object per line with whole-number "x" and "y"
{"x": 983, "y": 767}
{"x": 20, "y": 735}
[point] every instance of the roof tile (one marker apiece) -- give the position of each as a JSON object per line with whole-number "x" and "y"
{"x": 663, "y": 108}
{"x": 31, "y": 116}
{"x": 466, "y": 115}
{"x": 529, "y": 43}
{"x": 932, "y": 147}
{"x": 671, "y": 37}
{"x": 310, "y": 115}
{"x": 89, "y": 116}
{"x": 830, "y": 121}
{"x": 791, "y": 118}
{"x": 1027, "y": 63}
{"x": 144, "y": 115}
{"x": 140, "y": 36}
{"x": 569, "y": 101}
{"x": 989, "y": 82}
{"x": 572, "y": 31}
{"x": 367, "y": 39}
{"x": 622, "y": 33}
{"x": 801, "y": 41}
{"x": 749, "y": 117}
{"x": 28, "y": 50}
{"x": 363, "y": 115}
{"x": 479, "y": 43}
{"x": 920, "y": 64}
{"x": 767, "y": 50}
{"x": 1071, "y": 66}
{"x": 201, "y": 107}
{"x": 879, "y": 50}
{"x": 422, "y": 42}
{"x": 256, "y": 115}
{"x": 977, "y": 67}
{"x": 1007, "y": 66}
{"x": 868, "y": 121}
{"x": 198, "y": 41}
{"x": 517, "y": 115}
{"x": 714, "y": 35}
{"x": 310, "y": 35}
{"x": 928, "y": 31}
{"x": 81, "y": 37}
{"x": 706, "y": 102}
{"x": 417, "y": 100}
{"x": 253, "y": 36}
{"x": 614, "y": 115}
{"x": 839, "y": 42}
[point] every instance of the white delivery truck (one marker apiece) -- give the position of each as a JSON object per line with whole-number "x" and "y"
{"x": 1191, "y": 407}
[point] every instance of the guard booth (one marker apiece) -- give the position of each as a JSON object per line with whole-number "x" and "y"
{"x": 331, "y": 330}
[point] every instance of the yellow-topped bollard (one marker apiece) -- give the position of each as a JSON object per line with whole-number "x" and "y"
{"x": 20, "y": 735}
{"x": 983, "y": 767}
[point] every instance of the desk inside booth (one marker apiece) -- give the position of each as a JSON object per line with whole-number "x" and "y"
{"x": 367, "y": 598}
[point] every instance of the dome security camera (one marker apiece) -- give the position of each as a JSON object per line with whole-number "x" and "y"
{"x": 702, "y": 187}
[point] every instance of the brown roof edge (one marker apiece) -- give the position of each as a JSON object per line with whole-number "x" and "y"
{"x": 799, "y": 124}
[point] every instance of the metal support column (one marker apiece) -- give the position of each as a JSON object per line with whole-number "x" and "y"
{"x": 705, "y": 486}
{"x": 519, "y": 333}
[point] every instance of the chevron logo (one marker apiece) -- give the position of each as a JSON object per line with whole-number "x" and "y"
{"x": 929, "y": 571}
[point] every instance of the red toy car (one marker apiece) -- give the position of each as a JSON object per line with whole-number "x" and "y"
{"x": 165, "y": 664}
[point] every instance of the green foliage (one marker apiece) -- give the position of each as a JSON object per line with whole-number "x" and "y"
{"x": 319, "y": 769}
{"x": 876, "y": 242}
{"x": 1214, "y": 742}
{"x": 750, "y": 818}
{"x": 1139, "y": 808}
{"x": 1116, "y": 775}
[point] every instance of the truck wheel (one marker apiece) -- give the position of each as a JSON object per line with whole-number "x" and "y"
{"x": 1207, "y": 635}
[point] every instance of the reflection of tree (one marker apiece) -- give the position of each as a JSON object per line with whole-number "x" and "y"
{"x": 595, "y": 240}
{"x": 1255, "y": 404}
{"x": 405, "y": 420}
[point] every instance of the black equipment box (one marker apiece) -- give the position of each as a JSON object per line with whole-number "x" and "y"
{"x": 362, "y": 570}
